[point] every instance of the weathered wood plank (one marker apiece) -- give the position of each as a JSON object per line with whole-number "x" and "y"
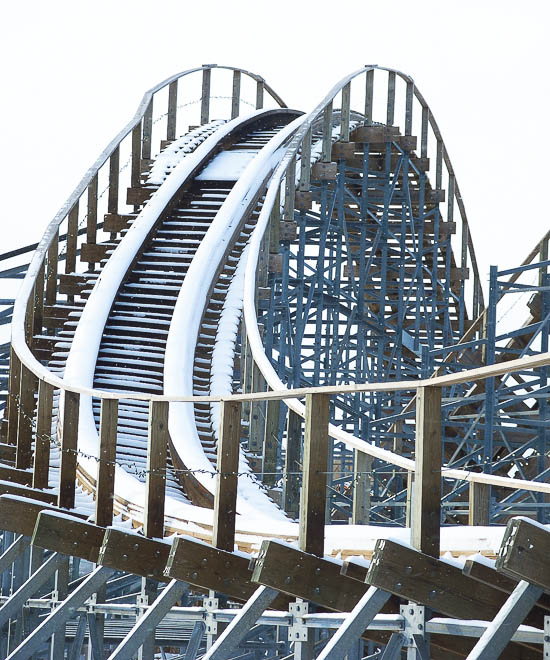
{"x": 225, "y": 502}
{"x": 15, "y": 475}
{"x": 155, "y": 481}
{"x": 105, "y": 487}
{"x": 27, "y": 384}
{"x": 115, "y": 223}
{"x": 134, "y": 553}
{"x": 271, "y": 442}
{"x": 10, "y": 488}
{"x": 479, "y": 502}
{"x": 93, "y": 252}
{"x": 68, "y": 535}
{"x": 19, "y": 515}
{"x": 72, "y": 237}
{"x": 426, "y": 528}
{"x": 291, "y": 477}
{"x": 524, "y": 553}
{"x": 7, "y": 452}
{"x": 41, "y": 466}
{"x": 69, "y": 443}
{"x": 314, "y": 482}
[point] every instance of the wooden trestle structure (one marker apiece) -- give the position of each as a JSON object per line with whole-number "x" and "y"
{"x": 363, "y": 320}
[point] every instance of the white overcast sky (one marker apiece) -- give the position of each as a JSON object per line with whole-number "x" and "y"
{"x": 73, "y": 74}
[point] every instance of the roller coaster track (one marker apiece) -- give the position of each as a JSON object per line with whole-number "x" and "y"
{"x": 259, "y": 257}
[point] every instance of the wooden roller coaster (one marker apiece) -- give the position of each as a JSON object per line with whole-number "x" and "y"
{"x": 257, "y": 404}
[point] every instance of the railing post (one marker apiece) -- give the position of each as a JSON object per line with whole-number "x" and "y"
{"x": 69, "y": 444}
{"x": 114, "y": 166}
{"x": 205, "y": 97}
{"x": 479, "y": 500}
{"x": 369, "y": 91}
{"x": 305, "y": 163}
{"x": 136, "y": 155}
{"x": 23, "y": 456}
{"x": 13, "y": 397}
{"x": 172, "y": 111}
{"x": 41, "y": 465}
{"x": 106, "y": 465}
{"x": 259, "y": 94}
{"x": 390, "y": 103}
{"x": 225, "y": 501}
{"x": 409, "y": 107}
{"x": 314, "y": 483}
{"x": 147, "y": 131}
{"x": 155, "y": 481}
{"x": 72, "y": 235}
{"x": 38, "y": 319}
{"x": 271, "y": 442}
{"x": 345, "y": 116}
{"x": 291, "y": 480}
{"x": 290, "y": 191}
{"x": 426, "y": 529}
{"x": 236, "y": 95}
{"x": 327, "y": 134}
{"x": 91, "y": 220}
{"x": 51, "y": 272}
{"x": 362, "y": 467}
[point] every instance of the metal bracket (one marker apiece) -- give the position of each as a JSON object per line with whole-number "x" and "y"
{"x": 415, "y": 631}
{"x": 211, "y": 604}
{"x": 546, "y": 638}
{"x": 298, "y": 631}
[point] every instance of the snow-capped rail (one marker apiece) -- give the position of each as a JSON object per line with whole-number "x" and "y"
{"x": 178, "y": 243}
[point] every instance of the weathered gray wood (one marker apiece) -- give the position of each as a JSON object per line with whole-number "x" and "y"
{"x": 362, "y": 466}
{"x": 147, "y": 131}
{"x": 479, "y": 500}
{"x": 91, "y": 216}
{"x": 69, "y": 443}
{"x": 236, "y": 96}
{"x": 290, "y": 191}
{"x": 27, "y": 387}
{"x": 136, "y": 155}
{"x": 39, "y": 301}
{"x": 369, "y": 90}
{"x": 51, "y": 270}
{"x": 259, "y": 94}
{"x": 69, "y": 536}
{"x": 105, "y": 487}
{"x": 327, "y": 133}
{"x": 425, "y": 533}
{"x": 19, "y": 516}
{"x": 114, "y": 178}
{"x": 305, "y": 162}
{"x": 225, "y": 502}
{"x": 155, "y": 483}
{"x": 271, "y": 443}
{"x": 72, "y": 236}
{"x": 390, "y": 104}
{"x": 41, "y": 465}
{"x": 13, "y": 397}
{"x": 133, "y": 553}
{"x": 345, "y": 112}
{"x": 205, "y": 96}
{"x": 291, "y": 482}
{"x": 524, "y": 552}
{"x": 314, "y": 482}
{"x": 171, "y": 120}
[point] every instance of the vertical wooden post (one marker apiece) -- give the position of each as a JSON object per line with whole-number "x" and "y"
{"x": 345, "y": 113}
{"x": 259, "y": 94}
{"x": 136, "y": 155}
{"x": 426, "y": 529}
{"x": 290, "y": 191}
{"x": 29, "y": 318}
{"x": 362, "y": 466}
{"x": 51, "y": 272}
{"x": 147, "y": 131}
{"x": 314, "y": 483}
{"x": 205, "y": 98}
{"x": 291, "y": 481}
{"x": 41, "y": 465}
{"x": 106, "y": 465}
{"x": 225, "y": 501}
{"x": 409, "y": 97}
{"x": 480, "y": 495}
{"x": 69, "y": 444}
{"x": 72, "y": 235}
{"x": 172, "y": 110}
{"x": 91, "y": 219}
{"x": 410, "y": 499}
{"x": 305, "y": 163}
{"x": 369, "y": 90}
{"x": 23, "y": 456}
{"x": 327, "y": 134}
{"x": 39, "y": 301}
{"x": 114, "y": 177}
{"x": 155, "y": 484}
{"x": 236, "y": 95}
{"x": 390, "y": 104}
{"x": 271, "y": 442}
{"x": 256, "y": 426}
{"x": 13, "y": 397}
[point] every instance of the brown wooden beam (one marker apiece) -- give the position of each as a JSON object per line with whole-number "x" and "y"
{"x": 524, "y": 552}
{"x": 155, "y": 481}
{"x": 105, "y": 488}
{"x": 68, "y": 535}
{"x": 133, "y": 553}
{"x": 69, "y": 445}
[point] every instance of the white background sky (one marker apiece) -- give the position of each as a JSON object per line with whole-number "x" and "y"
{"x": 73, "y": 74}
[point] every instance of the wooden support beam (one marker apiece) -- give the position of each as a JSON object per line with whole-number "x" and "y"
{"x": 105, "y": 488}
{"x": 306, "y": 576}
{"x": 155, "y": 481}
{"x": 362, "y": 467}
{"x": 236, "y": 96}
{"x": 172, "y": 111}
{"x": 114, "y": 177}
{"x": 115, "y": 223}
{"x": 69, "y": 445}
{"x": 225, "y": 501}
{"x": 22, "y": 477}
{"x": 10, "y": 488}
{"x": 41, "y": 465}
{"x": 291, "y": 477}
{"x": 133, "y": 553}
{"x": 92, "y": 253}
{"x": 51, "y": 271}
{"x": 19, "y": 515}
{"x": 425, "y": 533}
{"x": 271, "y": 443}
{"x": 314, "y": 483}
{"x": 91, "y": 215}
{"x": 205, "y": 96}
{"x": 479, "y": 500}
{"x": 524, "y": 552}
{"x": 13, "y": 397}
{"x": 27, "y": 388}
{"x": 68, "y": 535}
{"x": 210, "y": 568}
{"x": 72, "y": 237}
{"x": 420, "y": 577}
